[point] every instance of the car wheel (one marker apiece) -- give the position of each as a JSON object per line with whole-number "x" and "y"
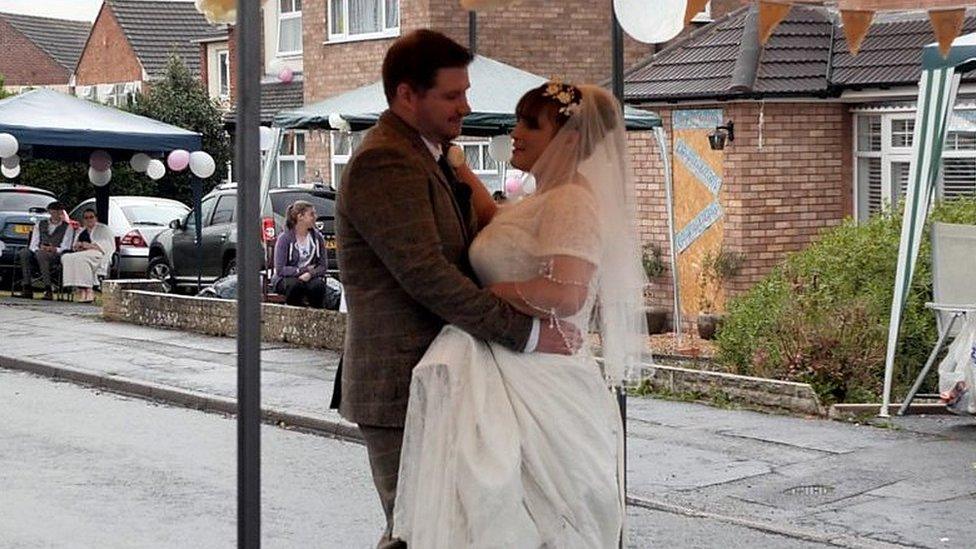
{"x": 160, "y": 270}
{"x": 230, "y": 267}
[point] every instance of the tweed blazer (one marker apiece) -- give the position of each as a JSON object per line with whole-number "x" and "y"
{"x": 403, "y": 261}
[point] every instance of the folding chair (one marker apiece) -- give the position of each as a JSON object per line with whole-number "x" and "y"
{"x": 953, "y": 291}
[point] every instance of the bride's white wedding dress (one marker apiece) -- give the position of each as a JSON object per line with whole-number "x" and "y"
{"x": 511, "y": 450}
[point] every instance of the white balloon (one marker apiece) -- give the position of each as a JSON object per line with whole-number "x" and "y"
{"x": 500, "y": 148}
{"x": 8, "y": 145}
{"x": 202, "y": 164}
{"x": 10, "y": 173}
{"x": 662, "y": 23}
{"x": 266, "y": 136}
{"x": 11, "y": 161}
{"x": 156, "y": 169}
{"x": 99, "y": 179}
{"x": 139, "y": 162}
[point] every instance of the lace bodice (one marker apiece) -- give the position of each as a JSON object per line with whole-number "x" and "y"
{"x": 522, "y": 238}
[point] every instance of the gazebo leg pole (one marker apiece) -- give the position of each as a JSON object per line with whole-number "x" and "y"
{"x": 248, "y": 157}
{"x": 617, "y": 67}
{"x": 197, "y": 188}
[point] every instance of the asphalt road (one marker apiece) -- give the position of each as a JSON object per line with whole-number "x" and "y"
{"x": 80, "y": 468}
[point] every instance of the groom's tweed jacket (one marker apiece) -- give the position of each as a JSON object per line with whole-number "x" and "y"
{"x": 402, "y": 246}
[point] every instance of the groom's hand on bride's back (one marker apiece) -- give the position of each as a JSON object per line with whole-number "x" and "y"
{"x": 559, "y": 338}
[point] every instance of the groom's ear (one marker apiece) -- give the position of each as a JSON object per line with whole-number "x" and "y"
{"x": 405, "y": 94}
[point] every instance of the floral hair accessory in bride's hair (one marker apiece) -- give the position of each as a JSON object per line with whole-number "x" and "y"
{"x": 567, "y": 95}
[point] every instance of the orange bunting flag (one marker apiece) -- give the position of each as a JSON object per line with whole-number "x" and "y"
{"x": 856, "y": 25}
{"x": 693, "y": 8}
{"x": 770, "y": 15}
{"x": 947, "y": 25}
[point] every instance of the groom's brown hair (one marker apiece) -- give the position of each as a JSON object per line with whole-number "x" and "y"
{"x": 415, "y": 58}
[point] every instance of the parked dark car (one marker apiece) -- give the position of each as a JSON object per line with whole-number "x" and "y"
{"x": 172, "y": 254}
{"x": 20, "y": 208}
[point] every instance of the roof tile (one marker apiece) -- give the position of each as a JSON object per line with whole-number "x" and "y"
{"x": 158, "y": 29}
{"x": 62, "y": 39}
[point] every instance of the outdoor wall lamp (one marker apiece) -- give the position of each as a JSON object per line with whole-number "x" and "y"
{"x": 716, "y": 140}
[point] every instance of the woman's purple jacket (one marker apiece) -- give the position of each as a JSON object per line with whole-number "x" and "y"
{"x": 286, "y": 257}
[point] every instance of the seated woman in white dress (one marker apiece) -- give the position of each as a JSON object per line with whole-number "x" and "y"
{"x": 90, "y": 256}
{"x": 521, "y": 450}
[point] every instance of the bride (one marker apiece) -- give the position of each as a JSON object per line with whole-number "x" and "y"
{"x": 503, "y": 449}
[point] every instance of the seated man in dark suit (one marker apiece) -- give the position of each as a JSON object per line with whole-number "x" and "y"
{"x": 50, "y": 238}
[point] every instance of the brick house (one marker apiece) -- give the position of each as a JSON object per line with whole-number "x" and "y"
{"x": 819, "y": 136}
{"x": 282, "y": 47}
{"x": 344, "y": 50}
{"x": 39, "y": 51}
{"x": 130, "y": 44}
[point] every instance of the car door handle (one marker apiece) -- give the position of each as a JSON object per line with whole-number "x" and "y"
{"x": 223, "y": 237}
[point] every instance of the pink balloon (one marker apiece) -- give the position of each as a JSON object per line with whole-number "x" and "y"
{"x": 178, "y": 160}
{"x": 100, "y": 160}
{"x": 513, "y": 186}
{"x": 286, "y": 75}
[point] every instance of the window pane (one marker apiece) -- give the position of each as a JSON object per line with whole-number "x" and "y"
{"x": 225, "y": 209}
{"x": 287, "y": 144}
{"x": 869, "y": 133}
{"x": 365, "y": 16}
{"x": 300, "y": 171}
{"x": 899, "y": 180}
{"x": 960, "y": 141}
{"x": 288, "y": 175}
{"x": 392, "y": 14}
{"x": 290, "y": 37}
{"x": 300, "y": 144}
{"x": 337, "y": 174}
{"x": 224, "y": 68}
{"x": 284, "y": 6}
{"x": 869, "y": 186}
{"x": 337, "y": 22}
{"x": 958, "y": 177}
{"x": 341, "y": 143}
{"x": 901, "y": 132}
{"x": 298, "y": 5}
{"x": 489, "y": 162}
{"x": 472, "y": 155}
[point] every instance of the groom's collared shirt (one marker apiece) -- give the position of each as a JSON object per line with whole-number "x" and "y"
{"x": 437, "y": 152}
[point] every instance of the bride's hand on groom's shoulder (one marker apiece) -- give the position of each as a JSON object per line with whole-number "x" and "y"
{"x": 559, "y": 338}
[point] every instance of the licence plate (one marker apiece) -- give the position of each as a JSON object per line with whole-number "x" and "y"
{"x": 330, "y": 244}
{"x": 23, "y": 229}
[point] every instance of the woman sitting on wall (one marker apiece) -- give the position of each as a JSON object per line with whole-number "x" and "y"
{"x": 90, "y": 256}
{"x": 300, "y": 258}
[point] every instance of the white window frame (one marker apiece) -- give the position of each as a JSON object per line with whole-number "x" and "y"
{"x": 345, "y": 36}
{"x": 338, "y": 161}
{"x": 292, "y": 156}
{"x": 889, "y": 155}
{"x": 222, "y": 74}
{"x": 288, "y": 15}
{"x": 705, "y": 15}
{"x": 482, "y": 146}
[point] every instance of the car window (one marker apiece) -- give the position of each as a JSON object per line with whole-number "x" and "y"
{"x": 79, "y": 210}
{"x": 21, "y": 201}
{"x": 153, "y": 214}
{"x": 225, "y": 209}
{"x": 206, "y": 208}
{"x": 324, "y": 206}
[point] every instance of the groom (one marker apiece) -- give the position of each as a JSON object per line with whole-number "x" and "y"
{"x": 404, "y": 223}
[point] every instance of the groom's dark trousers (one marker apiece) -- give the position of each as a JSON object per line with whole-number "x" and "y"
{"x": 403, "y": 239}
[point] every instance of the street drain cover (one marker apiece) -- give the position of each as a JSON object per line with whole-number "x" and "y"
{"x": 809, "y": 490}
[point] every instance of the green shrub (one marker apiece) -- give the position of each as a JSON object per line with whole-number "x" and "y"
{"x": 822, "y": 316}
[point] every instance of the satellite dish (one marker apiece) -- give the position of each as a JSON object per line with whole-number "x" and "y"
{"x": 651, "y": 25}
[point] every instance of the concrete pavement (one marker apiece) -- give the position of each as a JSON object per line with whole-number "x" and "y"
{"x": 810, "y": 480}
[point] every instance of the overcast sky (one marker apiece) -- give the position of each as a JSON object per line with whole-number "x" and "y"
{"x": 83, "y": 10}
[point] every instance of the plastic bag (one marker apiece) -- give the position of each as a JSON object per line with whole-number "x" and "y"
{"x": 957, "y": 371}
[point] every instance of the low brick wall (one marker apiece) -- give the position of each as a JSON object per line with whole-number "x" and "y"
{"x": 143, "y": 302}
{"x": 753, "y": 392}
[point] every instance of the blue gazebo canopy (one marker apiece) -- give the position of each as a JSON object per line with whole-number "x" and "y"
{"x": 50, "y": 124}
{"x": 495, "y": 90}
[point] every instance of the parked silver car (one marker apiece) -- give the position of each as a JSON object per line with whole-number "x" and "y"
{"x": 135, "y": 221}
